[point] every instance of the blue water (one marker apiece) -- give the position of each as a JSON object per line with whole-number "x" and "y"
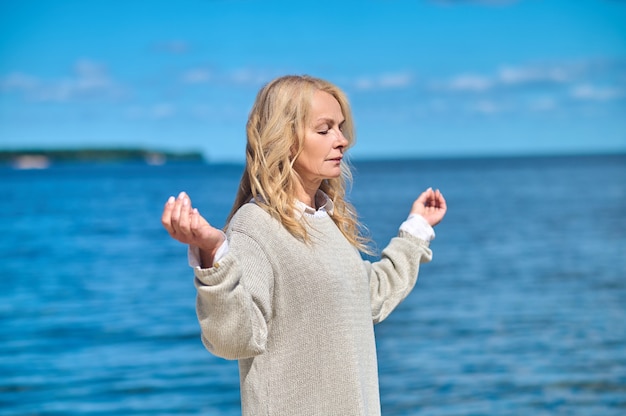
{"x": 521, "y": 312}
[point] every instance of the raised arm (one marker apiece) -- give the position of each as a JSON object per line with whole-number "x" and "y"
{"x": 394, "y": 276}
{"x": 233, "y": 301}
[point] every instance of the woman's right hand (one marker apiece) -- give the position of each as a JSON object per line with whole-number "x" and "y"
{"x": 185, "y": 224}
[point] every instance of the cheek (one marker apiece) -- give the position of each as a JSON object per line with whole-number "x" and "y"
{"x": 308, "y": 162}
{"x": 309, "y": 153}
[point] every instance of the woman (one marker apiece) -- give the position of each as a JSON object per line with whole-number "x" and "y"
{"x": 285, "y": 290}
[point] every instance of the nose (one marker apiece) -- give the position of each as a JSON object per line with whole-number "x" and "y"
{"x": 341, "y": 141}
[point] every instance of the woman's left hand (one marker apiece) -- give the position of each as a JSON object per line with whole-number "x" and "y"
{"x": 431, "y": 205}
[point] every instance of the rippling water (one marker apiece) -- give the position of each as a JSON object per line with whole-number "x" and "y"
{"x": 522, "y": 310}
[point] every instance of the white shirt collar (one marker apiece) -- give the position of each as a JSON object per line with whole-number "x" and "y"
{"x": 322, "y": 201}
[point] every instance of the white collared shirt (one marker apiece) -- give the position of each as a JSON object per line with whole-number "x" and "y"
{"x": 415, "y": 225}
{"x": 325, "y": 205}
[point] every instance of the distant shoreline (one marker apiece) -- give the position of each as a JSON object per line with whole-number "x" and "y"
{"x": 477, "y": 158}
{"x": 43, "y": 158}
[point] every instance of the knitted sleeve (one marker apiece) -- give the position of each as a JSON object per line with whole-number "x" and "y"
{"x": 234, "y": 300}
{"x": 394, "y": 276}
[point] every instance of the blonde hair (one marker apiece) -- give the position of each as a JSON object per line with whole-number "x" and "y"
{"x": 275, "y": 136}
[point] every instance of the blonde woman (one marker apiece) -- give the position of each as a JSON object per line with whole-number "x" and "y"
{"x": 285, "y": 290}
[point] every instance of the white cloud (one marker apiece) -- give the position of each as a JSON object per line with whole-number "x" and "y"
{"x": 238, "y": 77}
{"x": 256, "y": 77}
{"x": 89, "y": 80}
{"x": 159, "y": 111}
{"x": 18, "y": 82}
{"x": 391, "y": 80}
{"x": 162, "y": 111}
{"x": 486, "y": 107}
{"x": 543, "y": 104}
{"x": 469, "y": 83}
{"x": 532, "y": 75}
{"x": 246, "y": 76}
{"x": 363, "y": 83}
{"x": 197, "y": 76}
{"x": 595, "y": 93}
{"x": 538, "y": 88}
{"x": 397, "y": 80}
{"x": 506, "y": 77}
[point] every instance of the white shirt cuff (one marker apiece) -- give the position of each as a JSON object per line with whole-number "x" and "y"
{"x": 417, "y": 226}
{"x": 193, "y": 253}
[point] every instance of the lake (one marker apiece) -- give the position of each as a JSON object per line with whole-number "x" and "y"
{"x": 521, "y": 312}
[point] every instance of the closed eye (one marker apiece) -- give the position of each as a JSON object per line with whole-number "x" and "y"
{"x": 323, "y": 128}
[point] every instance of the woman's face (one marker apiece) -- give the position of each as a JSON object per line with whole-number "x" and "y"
{"x": 324, "y": 142}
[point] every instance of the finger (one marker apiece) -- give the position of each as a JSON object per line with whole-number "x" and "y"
{"x": 438, "y": 202}
{"x": 436, "y": 199}
{"x": 166, "y": 218}
{"x": 442, "y": 202}
{"x": 176, "y": 212}
{"x": 184, "y": 221}
{"x": 194, "y": 221}
{"x": 424, "y": 196}
{"x": 432, "y": 198}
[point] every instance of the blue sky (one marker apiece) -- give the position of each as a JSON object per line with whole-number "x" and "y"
{"x": 425, "y": 77}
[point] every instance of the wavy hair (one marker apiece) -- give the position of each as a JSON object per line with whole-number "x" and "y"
{"x": 275, "y": 136}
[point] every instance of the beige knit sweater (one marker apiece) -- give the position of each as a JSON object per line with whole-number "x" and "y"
{"x": 299, "y": 317}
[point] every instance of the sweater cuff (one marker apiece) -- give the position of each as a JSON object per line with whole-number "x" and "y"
{"x": 417, "y": 226}
{"x": 193, "y": 254}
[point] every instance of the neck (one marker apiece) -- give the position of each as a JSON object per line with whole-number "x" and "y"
{"x": 306, "y": 193}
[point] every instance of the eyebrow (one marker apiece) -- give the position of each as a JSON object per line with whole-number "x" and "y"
{"x": 328, "y": 121}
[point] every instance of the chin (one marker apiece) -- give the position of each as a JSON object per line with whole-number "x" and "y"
{"x": 334, "y": 175}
